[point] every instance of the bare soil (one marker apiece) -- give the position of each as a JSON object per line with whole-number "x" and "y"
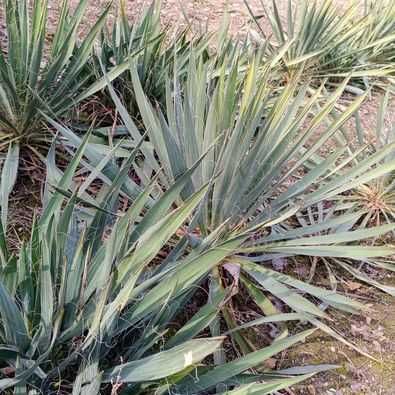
{"x": 373, "y": 333}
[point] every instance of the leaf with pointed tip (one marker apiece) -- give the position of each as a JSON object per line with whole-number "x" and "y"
{"x": 164, "y": 363}
{"x": 8, "y": 178}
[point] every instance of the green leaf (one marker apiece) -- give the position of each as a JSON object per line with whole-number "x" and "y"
{"x": 8, "y": 178}
{"x": 268, "y": 388}
{"x": 164, "y": 363}
{"x": 12, "y": 321}
{"x": 273, "y": 282}
{"x": 202, "y": 319}
{"x": 230, "y": 369}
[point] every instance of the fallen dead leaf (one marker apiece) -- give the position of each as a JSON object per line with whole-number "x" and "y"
{"x": 270, "y": 363}
{"x": 311, "y": 390}
{"x": 352, "y": 285}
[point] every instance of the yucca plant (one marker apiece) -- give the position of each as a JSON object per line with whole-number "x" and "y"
{"x": 378, "y": 196}
{"x": 328, "y": 42}
{"x": 370, "y": 52}
{"x": 157, "y": 53}
{"x": 375, "y": 45}
{"x": 144, "y": 35}
{"x": 88, "y": 305}
{"x": 34, "y": 74}
{"x": 380, "y": 31}
{"x": 38, "y": 74}
{"x": 256, "y": 172}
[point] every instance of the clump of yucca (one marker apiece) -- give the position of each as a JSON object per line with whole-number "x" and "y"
{"x": 88, "y": 303}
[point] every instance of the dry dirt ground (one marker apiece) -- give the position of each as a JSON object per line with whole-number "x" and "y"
{"x": 375, "y": 331}
{"x": 200, "y": 12}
